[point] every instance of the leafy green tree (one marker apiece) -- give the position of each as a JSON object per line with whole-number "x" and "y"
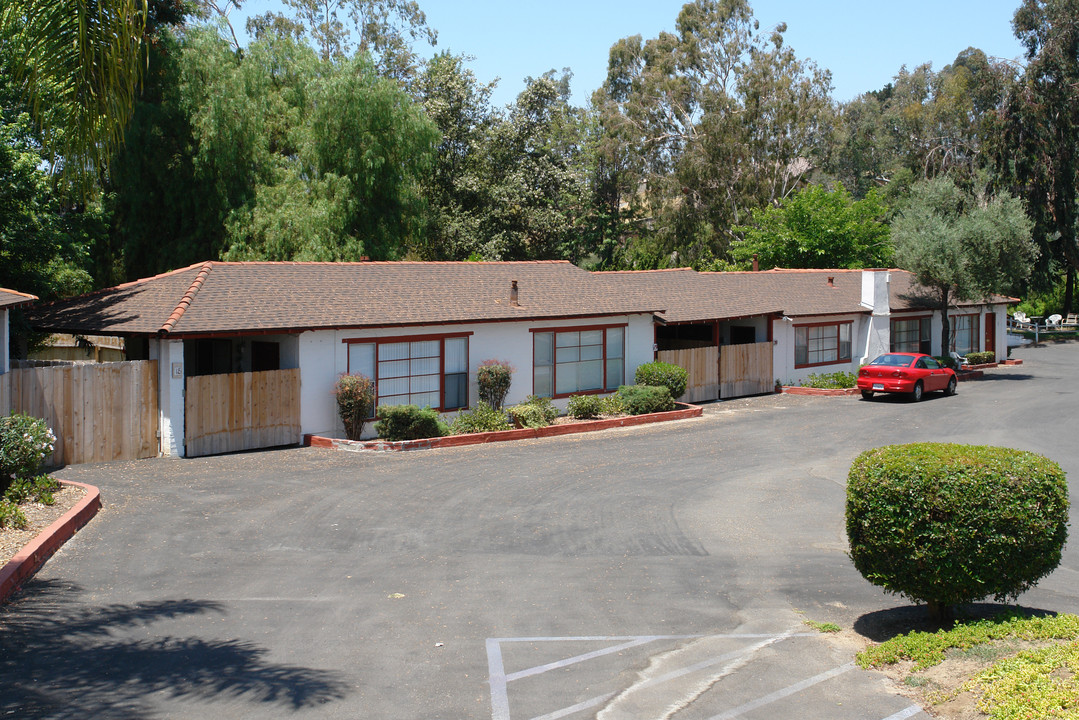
{"x": 85, "y": 59}
{"x": 962, "y": 246}
{"x": 818, "y": 228}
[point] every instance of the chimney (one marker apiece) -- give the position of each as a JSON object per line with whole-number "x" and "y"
{"x": 831, "y": 281}
{"x": 513, "y": 294}
{"x": 756, "y": 265}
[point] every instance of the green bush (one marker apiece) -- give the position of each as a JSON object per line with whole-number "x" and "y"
{"x": 672, "y": 377}
{"x": 11, "y": 515}
{"x": 584, "y": 407}
{"x": 482, "y": 418}
{"x": 355, "y": 400}
{"x": 831, "y": 380}
{"x": 534, "y": 412}
{"x": 409, "y": 422}
{"x": 951, "y": 524}
{"x": 25, "y": 442}
{"x": 981, "y": 358}
{"x": 493, "y": 378}
{"x": 643, "y": 399}
{"x": 612, "y": 405}
{"x": 947, "y": 361}
{"x": 39, "y": 489}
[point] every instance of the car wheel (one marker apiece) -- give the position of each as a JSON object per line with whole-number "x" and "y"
{"x": 867, "y": 394}
{"x": 917, "y": 394}
{"x": 952, "y": 383}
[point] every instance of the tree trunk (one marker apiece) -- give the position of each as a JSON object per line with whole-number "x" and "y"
{"x": 941, "y": 614}
{"x": 944, "y": 324}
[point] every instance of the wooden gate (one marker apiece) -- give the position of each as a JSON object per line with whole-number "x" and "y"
{"x": 241, "y": 411}
{"x": 745, "y": 370}
{"x": 98, "y": 411}
{"x": 702, "y": 365}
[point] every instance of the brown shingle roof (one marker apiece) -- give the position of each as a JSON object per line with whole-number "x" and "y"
{"x": 226, "y": 297}
{"x": 13, "y": 298}
{"x": 689, "y": 296}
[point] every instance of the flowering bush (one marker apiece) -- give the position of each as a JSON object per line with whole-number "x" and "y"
{"x": 493, "y": 378}
{"x": 355, "y": 402}
{"x": 25, "y": 442}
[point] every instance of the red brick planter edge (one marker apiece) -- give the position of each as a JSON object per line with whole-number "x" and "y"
{"x": 34, "y": 554}
{"x": 684, "y": 413}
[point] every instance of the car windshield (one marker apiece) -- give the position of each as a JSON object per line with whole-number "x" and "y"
{"x": 893, "y": 360}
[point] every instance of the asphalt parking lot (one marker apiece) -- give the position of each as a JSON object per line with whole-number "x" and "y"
{"x": 655, "y": 572}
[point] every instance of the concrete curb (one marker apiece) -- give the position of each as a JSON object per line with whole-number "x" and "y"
{"x": 34, "y": 554}
{"x": 686, "y": 412}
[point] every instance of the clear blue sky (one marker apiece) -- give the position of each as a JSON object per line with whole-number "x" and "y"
{"x": 863, "y": 43}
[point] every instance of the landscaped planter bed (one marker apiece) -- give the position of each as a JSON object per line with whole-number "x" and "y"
{"x": 684, "y": 412}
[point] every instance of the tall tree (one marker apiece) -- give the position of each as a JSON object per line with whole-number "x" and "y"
{"x": 818, "y": 228}
{"x": 962, "y": 246}
{"x": 86, "y": 57}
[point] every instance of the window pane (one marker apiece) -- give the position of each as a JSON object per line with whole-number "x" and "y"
{"x": 614, "y": 373}
{"x": 423, "y": 383}
{"x": 568, "y": 354}
{"x": 591, "y": 352}
{"x": 592, "y": 337}
{"x": 424, "y": 400}
{"x": 391, "y": 386}
{"x": 801, "y": 350}
{"x": 456, "y": 391}
{"x": 590, "y": 375}
{"x": 567, "y": 339}
{"x": 456, "y": 355}
{"x": 614, "y": 342}
{"x": 566, "y": 379}
{"x": 425, "y": 348}
{"x": 541, "y": 381}
{"x": 361, "y": 359}
{"x": 544, "y": 353}
{"x": 424, "y": 366}
{"x": 392, "y": 351}
{"x": 392, "y": 369}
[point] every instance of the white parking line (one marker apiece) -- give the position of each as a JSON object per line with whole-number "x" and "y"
{"x": 904, "y": 714}
{"x": 785, "y": 692}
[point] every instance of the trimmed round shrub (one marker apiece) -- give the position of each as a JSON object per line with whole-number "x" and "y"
{"x": 25, "y": 442}
{"x": 644, "y": 399}
{"x": 584, "y": 407}
{"x": 534, "y": 412}
{"x": 981, "y": 358}
{"x": 482, "y": 418}
{"x": 409, "y": 422}
{"x": 950, "y": 524}
{"x": 672, "y": 377}
{"x": 355, "y": 400}
{"x": 493, "y": 377}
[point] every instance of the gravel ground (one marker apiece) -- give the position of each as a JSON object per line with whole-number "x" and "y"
{"x": 38, "y": 518}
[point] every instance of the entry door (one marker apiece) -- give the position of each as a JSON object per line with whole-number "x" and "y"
{"x": 990, "y": 332}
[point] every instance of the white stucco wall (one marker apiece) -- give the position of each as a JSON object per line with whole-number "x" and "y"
{"x": 323, "y": 357}
{"x": 783, "y": 351}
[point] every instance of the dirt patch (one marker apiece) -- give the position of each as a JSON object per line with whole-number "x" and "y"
{"x": 38, "y": 518}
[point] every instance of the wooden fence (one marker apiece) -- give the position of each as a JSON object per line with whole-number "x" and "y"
{"x": 98, "y": 412}
{"x": 241, "y": 411}
{"x": 702, "y": 365}
{"x": 745, "y": 370}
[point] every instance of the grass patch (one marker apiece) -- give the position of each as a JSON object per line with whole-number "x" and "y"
{"x": 926, "y": 649}
{"x": 1042, "y": 683}
{"x": 824, "y": 627}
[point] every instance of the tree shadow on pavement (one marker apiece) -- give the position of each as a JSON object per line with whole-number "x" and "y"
{"x": 61, "y": 658}
{"x": 884, "y": 625}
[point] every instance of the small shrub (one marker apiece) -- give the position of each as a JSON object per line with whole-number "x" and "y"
{"x": 355, "y": 400}
{"x": 952, "y": 524}
{"x": 39, "y": 489}
{"x": 11, "y": 515}
{"x": 643, "y": 399}
{"x": 585, "y": 407}
{"x": 947, "y": 361}
{"x": 534, "y": 412}
{"x": 612, "y": 405}
{"x": 493, "y": 378}
{"x": 981, "y": 358}
{"x": 25, "y": 442}
{"x": 672, "y": 377}
{"x": 409, "y": 422}
{"x": 482, "y": 418}
{"x": 831, "y": 380}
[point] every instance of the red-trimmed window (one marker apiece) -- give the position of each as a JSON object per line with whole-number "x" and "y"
{"x": 821, "y": 344}
{"x": 428, "y": 371}
{"x": 911, "y": 335}
{"x": 965, "y": 333}
{"x": 578, "y": 360}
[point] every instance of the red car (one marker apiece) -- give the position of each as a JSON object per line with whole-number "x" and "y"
{"x": 912, "y": 373}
